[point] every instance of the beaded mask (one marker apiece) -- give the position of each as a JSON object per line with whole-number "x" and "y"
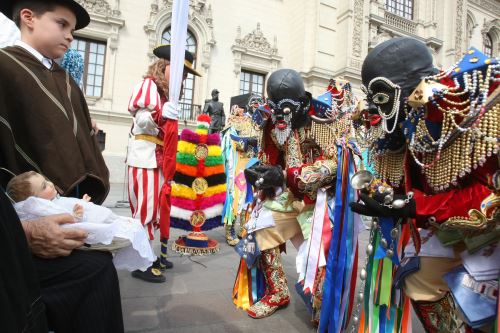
{"x": 385, "y": 96}
{"x": 281, "y": 117}
{"x": 288, "y": 101}
{"x": 390, "y": 72}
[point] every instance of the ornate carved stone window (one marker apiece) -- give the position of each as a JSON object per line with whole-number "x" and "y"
{"x": 254, "y": 53}
{"x": 491, "y": 37}
{"x": 395, "y": 18}
{"x": 200, "y": 26}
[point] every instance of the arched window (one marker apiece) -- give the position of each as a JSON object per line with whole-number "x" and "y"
{"x": 187, "y": 99}
{"x": 488, "y": 46}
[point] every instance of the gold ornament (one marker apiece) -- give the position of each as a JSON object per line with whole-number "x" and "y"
{"x": 199, "y": 185}
{"x": 197, "y": 218}
{"x": 201, "y": 152}
{"x": 423, "y": 92}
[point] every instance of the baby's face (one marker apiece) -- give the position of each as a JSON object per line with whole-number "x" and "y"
{"x": 43, "y": 188}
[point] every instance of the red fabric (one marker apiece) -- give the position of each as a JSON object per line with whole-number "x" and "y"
{"x": 455, "y": 202}
{"x": 292, "y": 181}
{"x": 144, "y": 98}
{"x": 143, "y": 204}
{"x": 143, "y": 192}
{"x": 326, "y": 235}
{"x": 204, "y": 118}
{"x": 272, "y": 152}
{"x": 170, "y": 131}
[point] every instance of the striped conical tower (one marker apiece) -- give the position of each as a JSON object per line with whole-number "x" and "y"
{"x": 198, "y": 189}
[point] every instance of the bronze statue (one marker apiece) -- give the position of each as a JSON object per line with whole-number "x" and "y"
{"x": 215, "y": 110}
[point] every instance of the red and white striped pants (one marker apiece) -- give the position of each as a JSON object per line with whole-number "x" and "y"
{"x": 144, "y": 186}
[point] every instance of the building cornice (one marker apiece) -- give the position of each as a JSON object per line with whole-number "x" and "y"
{"x": 490, "y": 6}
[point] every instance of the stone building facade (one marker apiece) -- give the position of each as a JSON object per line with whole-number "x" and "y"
{"x": 237, "y": 43}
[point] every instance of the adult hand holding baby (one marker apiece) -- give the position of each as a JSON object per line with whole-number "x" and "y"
{"x": 47, "y": 239}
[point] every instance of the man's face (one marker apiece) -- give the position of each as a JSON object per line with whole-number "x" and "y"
{"x": 51, "y": 32}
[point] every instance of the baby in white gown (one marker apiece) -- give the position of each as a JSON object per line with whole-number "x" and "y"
{"x": 37, "y": 197}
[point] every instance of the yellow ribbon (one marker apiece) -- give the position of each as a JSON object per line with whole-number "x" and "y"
{"x": 240, "y": 290}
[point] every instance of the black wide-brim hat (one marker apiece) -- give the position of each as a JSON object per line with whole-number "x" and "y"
{"x": 163, "y": 52}
{"x": 82, "y": 16}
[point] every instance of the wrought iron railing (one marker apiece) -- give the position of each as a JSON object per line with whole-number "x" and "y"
{"x": 189, "y": 112}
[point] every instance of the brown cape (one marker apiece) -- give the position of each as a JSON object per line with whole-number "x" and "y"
{"x": 52, "y": 137}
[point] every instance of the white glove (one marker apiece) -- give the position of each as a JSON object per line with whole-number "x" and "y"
{"x": 144, "y": 119}
{"x": 170, "y": 111}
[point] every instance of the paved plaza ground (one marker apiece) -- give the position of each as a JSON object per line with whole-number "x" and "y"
{"x": 197, "y": 295}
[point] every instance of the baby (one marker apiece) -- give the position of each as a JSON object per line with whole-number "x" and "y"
{"x": 36, "y": 197}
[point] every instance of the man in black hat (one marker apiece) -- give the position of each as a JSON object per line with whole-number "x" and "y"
{"x": 46, "y": 127}
{"x": 215, "y": 110}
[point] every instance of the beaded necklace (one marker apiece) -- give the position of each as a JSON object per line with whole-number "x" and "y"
{"x": 465, "y": 145}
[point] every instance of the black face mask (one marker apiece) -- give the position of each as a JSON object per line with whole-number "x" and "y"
{"x": 390, "y": 72}
{"x": 384, "y": 99}
{"x": 286, "y": 112}
{"x": 288, "y": 99}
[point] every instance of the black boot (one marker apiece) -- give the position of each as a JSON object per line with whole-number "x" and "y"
{"x": 152, "y": 274}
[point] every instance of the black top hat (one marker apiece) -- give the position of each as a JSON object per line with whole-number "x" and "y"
{"x": 163, "y": 51}
{"x": 82, "y": 17}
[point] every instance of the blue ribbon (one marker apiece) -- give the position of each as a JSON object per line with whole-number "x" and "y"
{"x": 261, "y": 284}
{"x": 391, "y": 321}
{"x": 254, "y": 284}
{"x": 249, "y": 195}
{"x": 340, "y": 274}
{"x": 336, "y": 262}
{"x": 349, "y": 217}
{"x": 386, "y": 225}
{"x": 382, "y": 317}
{"x": 228, "y": 204}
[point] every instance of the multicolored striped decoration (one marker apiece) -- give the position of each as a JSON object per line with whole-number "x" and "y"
{"x": 199, "y": 188}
